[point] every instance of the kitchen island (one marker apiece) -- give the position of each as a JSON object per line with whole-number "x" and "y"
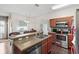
{"x": 28, "y": 43}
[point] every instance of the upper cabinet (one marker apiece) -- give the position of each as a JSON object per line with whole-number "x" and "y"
{"x": 68, "y": 19}
{"x": 52, "y": 23}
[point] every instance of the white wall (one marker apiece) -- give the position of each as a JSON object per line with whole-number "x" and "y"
{"x": 66, "y": 11}
{"x": 16, "y": 13}
{"x": 13, "y": 21}
{"x": 34, "y": 22}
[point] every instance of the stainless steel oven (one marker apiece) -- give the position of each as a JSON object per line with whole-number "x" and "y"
{"x": 63, "y": 39}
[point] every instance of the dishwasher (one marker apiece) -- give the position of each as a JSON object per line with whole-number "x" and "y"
{"x": 36, "y": 49}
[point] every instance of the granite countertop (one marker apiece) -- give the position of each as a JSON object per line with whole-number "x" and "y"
{"x": 28, "y": 42}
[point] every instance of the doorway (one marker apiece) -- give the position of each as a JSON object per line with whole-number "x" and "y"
{"x": 3, "y": 27}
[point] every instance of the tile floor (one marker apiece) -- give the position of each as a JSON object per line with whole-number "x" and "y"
{"x": 5, "y": 47}
{"x": 58, "y": 50}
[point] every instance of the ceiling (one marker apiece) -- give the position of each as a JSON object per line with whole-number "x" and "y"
{"x": 27, "y": 9}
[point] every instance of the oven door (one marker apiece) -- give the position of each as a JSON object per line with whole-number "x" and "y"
{"x": 63, "y": 40}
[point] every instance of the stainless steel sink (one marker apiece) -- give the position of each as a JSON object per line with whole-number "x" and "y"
{"x": 41, "y": 36}
{"x": 24, "y": 40}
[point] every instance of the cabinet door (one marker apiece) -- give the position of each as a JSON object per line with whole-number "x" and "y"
{"x": 49, "y": 44}
{"x": 44, "y": 47}
{"x": 53, "y": 37}
{"x": 52, "y": 23}
{"x": 70, "y": 39}
{"x": 69, "y": 20}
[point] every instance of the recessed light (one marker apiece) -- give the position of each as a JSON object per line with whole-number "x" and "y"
{"x": 59, "y": 6}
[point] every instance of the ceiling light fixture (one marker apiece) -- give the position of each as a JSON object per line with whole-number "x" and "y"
{"x": 37, "y": 5}
{"x": 59, "y": 6}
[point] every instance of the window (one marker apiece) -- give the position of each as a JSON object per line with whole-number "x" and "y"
{"x": 3, "y": 27}
{"x": 22, "y": 26}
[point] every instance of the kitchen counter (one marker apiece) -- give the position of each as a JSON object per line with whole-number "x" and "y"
{"x": 22, "y": 35}
{"x": 28, "y": 42}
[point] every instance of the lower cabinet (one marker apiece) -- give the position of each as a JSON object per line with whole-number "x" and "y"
{"x": 44, "y": 47}
{"x": 47, "y": 45}
{"x": 53, "y": 36}
{"x": 71, "y": 46}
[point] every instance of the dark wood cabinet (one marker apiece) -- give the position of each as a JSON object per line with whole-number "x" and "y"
{"x": 68, "y": 19}
{"x": 70, "y": 44}
{"x": 53, "y": 36}
{"x": 44, "y": 47}
{"x": 70, "y": 39}
{"x": 52, "y": 23}
{"x": 47, "y": 45}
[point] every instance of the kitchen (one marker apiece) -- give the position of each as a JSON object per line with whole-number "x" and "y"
{"x": 37, "y": 29}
